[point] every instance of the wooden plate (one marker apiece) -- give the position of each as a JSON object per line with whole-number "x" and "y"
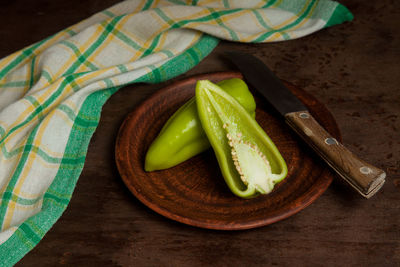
{"x": 194, "y": 192}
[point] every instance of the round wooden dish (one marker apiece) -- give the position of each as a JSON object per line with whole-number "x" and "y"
{"x": 194, "y": 192}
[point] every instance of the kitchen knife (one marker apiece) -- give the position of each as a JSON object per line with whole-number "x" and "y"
{"x": 363, "y": 177}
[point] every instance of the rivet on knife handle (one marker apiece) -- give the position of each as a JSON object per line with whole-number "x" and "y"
{"x": 363, "y": 177}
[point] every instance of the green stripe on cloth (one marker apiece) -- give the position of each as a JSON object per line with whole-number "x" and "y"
{"x": 216, "y": 16}
{"x": 127, "y": 40}
{"x": 270, "y": 3}
{"x": 40, "y": 108}
{"x": 79, "y": 140}
{"x": 25, "y": 53}
{"x": 2, "y": 131}
{"x": 25, "y": 201}
{"x": 340, "y": 14}
{"x": 264, "y": 24}
{"x": 71, "y": 159}
{"x": 52, "y": 92}
{"x": 148, "y": 4}
{"x": 6, "y": 195}
{"x": 15, "y": 84}
{"x": 108, "y": 13}
{"x": 301, "y": 16}
{"x": 32, "y": 72}
{"x": 81, "y": 58}
{"x": 152, "y": 46}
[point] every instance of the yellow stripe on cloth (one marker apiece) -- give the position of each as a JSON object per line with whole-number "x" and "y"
{"x": 52, "y": 92}
{"x": 81, "y": 48}
{"x": 31, "y": 108}
{"x": 293, "y": 18}
{"x": 27, "y": 168}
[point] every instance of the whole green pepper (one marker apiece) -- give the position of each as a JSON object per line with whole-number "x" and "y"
{"x": 182, "y": 137}
{"x": 249, "y": 161}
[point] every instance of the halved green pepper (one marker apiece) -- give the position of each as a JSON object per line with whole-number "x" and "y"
{"x": 249, "y": 161}
{"x": 182, "y": 137}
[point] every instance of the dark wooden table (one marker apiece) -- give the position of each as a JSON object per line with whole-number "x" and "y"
{"x": 352, "y": 68}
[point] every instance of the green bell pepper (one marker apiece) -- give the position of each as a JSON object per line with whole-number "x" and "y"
{"x": 182, "y": 137}
{"x": 249, "y": 161}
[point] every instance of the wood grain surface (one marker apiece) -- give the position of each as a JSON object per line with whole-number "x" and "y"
{"x": 352, "y": 68}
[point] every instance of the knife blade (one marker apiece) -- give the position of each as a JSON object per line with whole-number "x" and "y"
{"x": 365, "y": 178}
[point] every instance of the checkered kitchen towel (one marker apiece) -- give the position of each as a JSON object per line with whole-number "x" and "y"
{"x": 52, "y": 92}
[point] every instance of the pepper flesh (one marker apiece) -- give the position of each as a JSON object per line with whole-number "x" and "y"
{"x": 182, "y": 137}
{"x": 249, "y": 161}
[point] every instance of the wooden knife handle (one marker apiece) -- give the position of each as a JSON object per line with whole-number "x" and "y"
{"x": 363, "y": 177}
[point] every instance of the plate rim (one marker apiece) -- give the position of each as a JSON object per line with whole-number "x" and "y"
{"x": 305, "y": 199}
